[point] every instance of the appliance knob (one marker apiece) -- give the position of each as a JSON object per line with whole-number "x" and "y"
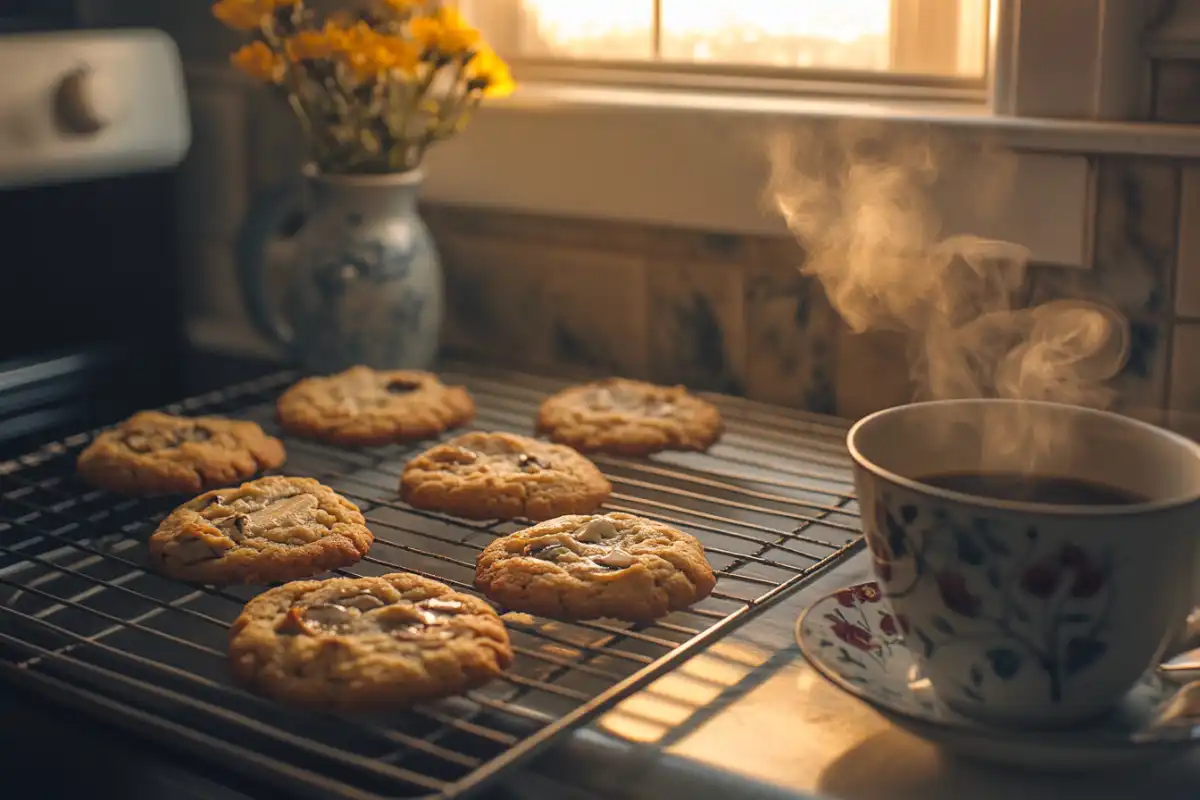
{"x": 84, "y": 102}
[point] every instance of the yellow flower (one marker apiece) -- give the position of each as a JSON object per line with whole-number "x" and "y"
{"x": 313, "y": 45}
{"x": 403, "y": 6}
{"x": 487, "y": 71}
{"x": 370, "y": 53}
{"x": 259, "y": 62}
{"x": 246, "y": 15}
{"x": 446, "y": 32}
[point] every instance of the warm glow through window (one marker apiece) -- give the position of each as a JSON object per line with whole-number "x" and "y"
{"x": 921, "y": 37}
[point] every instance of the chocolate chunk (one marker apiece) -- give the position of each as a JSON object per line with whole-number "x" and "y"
{"x": 331, "y": 617}
{"x": 615, "y": 559}
{"x": 596, "y": 531}
{"x": 363, "y": 602}
{"x": 149, "y": 441}
{"x": 234, "y": 526}
{"x": 547, "y": 551}
{"x": 402, "y": 387}
{"x": 139, "y": 443}
{"x": 660, "y": 409}
{"x": 527, "y": 462}
{"x": 442, "y": 605}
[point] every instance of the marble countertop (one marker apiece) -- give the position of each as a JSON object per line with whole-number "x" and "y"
{"x": 751, "y": 719}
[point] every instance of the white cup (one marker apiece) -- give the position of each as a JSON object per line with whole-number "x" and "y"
{"x": 1030, "y": 614}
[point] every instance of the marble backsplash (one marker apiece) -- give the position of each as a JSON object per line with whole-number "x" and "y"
{"x": 735, "y": 314}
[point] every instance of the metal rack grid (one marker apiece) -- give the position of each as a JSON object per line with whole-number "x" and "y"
{"x": 84, "y": 622}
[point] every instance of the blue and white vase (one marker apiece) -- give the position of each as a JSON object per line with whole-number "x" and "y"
{"x": 365, "y": 283}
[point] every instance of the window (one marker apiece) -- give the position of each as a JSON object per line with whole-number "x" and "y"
{"x": 658, "y": 111}
{"x": 844, "y": 40}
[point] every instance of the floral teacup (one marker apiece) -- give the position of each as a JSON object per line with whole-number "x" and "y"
{"x": 1030, "y": 613}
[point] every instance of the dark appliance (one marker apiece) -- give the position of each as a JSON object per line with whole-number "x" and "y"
{"x": 92, "y": 124}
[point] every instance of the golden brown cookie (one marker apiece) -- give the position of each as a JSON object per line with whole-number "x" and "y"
{"x": 584, "y": 567}
{"x": 155, "y": 453}
{"x": 366, "y": 643}
{"x": 503, "y": 476}
{"x": 272, "y": 529}
{"x": 364, "y": 407}
{"x": 630, "y": 418}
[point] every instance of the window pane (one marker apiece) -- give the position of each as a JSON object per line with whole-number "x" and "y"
{"x": 613, "y": 29}
{"x": 830, "y": 34}
{"x": 930, "y": 37}
{"x": 919, "y": 37}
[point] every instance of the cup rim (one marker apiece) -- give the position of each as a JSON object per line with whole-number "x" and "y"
{"x": 1058, "y": 509}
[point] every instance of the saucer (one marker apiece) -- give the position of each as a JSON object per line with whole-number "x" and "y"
{"x": 852, "y": 640}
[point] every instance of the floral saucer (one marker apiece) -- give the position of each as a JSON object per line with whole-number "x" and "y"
{"x": 853, "y": 640}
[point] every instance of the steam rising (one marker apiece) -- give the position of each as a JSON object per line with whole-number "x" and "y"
{"x": 859, "y": 204}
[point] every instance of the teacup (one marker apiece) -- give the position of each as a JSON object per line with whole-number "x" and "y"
{"x": 1024, "y": 609}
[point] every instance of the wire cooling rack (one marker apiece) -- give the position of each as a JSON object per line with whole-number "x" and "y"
{"x": 85, "y": 623}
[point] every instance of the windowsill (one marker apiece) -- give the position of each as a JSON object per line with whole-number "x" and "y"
{"x": 1020, "y": 133}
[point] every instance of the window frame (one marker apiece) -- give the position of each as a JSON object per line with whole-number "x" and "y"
{"x": 644, "y": 150}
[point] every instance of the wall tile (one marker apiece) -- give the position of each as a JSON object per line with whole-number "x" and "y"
{"x": 1141, "y": 388}
{"x": 526, "y": 305}
{"x": 697, "y": 325}
{"x": 1137, "y": 202}
{"x": 1184, "y": 403}
{"x": 872, "y": 373}
{"x": 1177, "y": 91}
{"x": 791, "y": 340}
{"x": 625, "y": 237}
{"x": 1187, "y": 278}
{"x": 596, "y": 302}
{"x": 493, "y": 303}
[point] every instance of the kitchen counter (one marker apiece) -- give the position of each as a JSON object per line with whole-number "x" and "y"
{"x": 747, "y": 718}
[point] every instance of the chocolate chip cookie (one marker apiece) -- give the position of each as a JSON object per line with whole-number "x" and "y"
{"x": 629, "y": 418}
{"x": 364, "y": 407}
{"x": 268, "y": 530}
{"x": 584, "y": 567}
{"x": 366, "y": 643}
{"x": 154, "y": 453}
{"x": 503, "y": 476}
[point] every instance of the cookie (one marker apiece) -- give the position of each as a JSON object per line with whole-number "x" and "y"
{"x": 272, "y": 529}
{"x": 630, "y": 418}
{"x": 584, "y": 567}
{"x": 154, "y": 453}
{"x": 364, "y": 407}
{"x": 366, "y": 643}
{"x": 503, "y": 476}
